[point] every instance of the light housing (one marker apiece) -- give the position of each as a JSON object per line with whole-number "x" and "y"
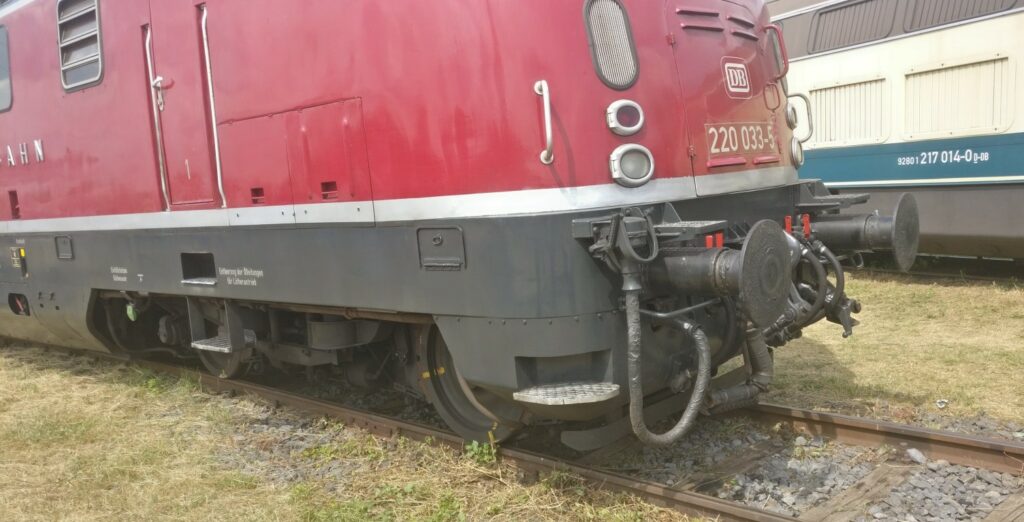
{"x": 792, "y": 117}
{"x": 625, "y": 117}
{"x": 796, "y": 149}
{"x": 632, "y": 165}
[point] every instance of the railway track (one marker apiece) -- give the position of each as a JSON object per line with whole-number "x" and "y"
{"x": 988, "y": 454}
{"x": 955, "y": 269}
{"x": 942, "y": 276}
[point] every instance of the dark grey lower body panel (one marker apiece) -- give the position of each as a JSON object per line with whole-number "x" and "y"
{"x": 978, "y": 220}
{"x": 517, "y": 299}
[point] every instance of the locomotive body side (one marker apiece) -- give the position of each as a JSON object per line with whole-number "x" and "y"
{"x": 919, "y": 100}
{"x": 360, "y": 184}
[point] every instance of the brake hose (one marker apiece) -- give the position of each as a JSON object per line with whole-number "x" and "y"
{"x": 636, "y": 392}
{"x": 838, "y": 268}
{"x": 819, "y": 270}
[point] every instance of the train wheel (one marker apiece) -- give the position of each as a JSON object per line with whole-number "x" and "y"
{"x": 473, "y": 413}
{"x": 225, "y": 365}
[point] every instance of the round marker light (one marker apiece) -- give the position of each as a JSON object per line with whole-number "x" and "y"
{"x": 797, "y": 150}
{"x": 792, "y": 118}
{"x": 632, "y": 165}
{"x": 625, "y": 117}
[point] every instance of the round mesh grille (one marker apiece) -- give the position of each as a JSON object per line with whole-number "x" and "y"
{"x": 612, "y": 43}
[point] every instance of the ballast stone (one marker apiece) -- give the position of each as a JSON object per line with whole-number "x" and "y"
{"x": 915, "y": 455}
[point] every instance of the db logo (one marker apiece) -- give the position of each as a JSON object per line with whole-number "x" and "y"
{"x": 737, "y": 80}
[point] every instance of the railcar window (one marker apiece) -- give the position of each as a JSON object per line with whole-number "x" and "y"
{"x": 775, "y": 48}
{"x": 852, "y": 23}
{"x": 5, "y": 72}
{"x": 925, "y": 14}
{"x": 611, "y": 43}
{"x": 78, "y": 34}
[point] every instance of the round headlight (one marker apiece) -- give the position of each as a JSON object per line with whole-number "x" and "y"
{"x": 625, "y": 117}
{"x": 632, "y": 165}
{"x": 797, "y": 150}
{"x": 792, "y": 118}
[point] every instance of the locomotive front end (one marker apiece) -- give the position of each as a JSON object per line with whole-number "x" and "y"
{"x": 711, "y": 248}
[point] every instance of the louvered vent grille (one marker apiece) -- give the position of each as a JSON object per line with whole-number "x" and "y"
{"x": 849, "y": 114}
{"x": 5, "y": 72}
{"x": 611, "y": 42}
{"x": 852, "y": 24}
{"x": 936, "y": 104}
{"x": 931, "y": 13}
{"x": 78, "y": 33}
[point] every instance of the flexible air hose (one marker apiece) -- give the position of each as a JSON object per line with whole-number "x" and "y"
{"x": 838, "y": 268}
{"x": 729, "y": 341}
{"x": 822, "y": 275}
{"x": 636, "y": 392}
{"x": 762, "y": 374}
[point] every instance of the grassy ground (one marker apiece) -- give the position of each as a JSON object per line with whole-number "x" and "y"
{"x": 919, "y": 342}
{"x": 81, "y": 440}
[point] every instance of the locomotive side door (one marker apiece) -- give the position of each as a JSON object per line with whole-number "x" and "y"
{"x": 181, "y": 104}
{"x": 731, "y": 117}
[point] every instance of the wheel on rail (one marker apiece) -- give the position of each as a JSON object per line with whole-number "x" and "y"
{"x": 225, "y": 365}
{"x": 470, "y": 411}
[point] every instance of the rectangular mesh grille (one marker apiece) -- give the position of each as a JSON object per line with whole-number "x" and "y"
{"x": 853, "y": 113}
{"x": 851, "y": 24}
{"x": 931, "y": 13}
{"x": 614, "y": 54}
{"x": 960, "y": 99}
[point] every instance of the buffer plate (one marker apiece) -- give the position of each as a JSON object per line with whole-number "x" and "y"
{"x": 766, "y": 277}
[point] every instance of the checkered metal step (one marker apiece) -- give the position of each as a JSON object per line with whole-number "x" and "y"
{"x": 221, "y": 343}
{"x": 568, "y": 393}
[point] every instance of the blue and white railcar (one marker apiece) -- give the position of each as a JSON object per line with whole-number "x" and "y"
{"x": 922, "y": 96}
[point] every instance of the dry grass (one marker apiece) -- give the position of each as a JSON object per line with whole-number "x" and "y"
{"x": 81, "y": 440}
{"x": 85, "y": 440}
{"x": 918, "y": 343}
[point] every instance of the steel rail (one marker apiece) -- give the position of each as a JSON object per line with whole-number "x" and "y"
{"x": 683, "y": 501}
{"x": 1009, "y": 279}
{"x": 966, "y": 450}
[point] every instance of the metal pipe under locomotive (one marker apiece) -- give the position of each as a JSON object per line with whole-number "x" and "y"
{"x": 517, "y": 210}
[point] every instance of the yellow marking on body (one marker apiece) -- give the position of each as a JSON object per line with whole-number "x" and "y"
{"x": 438, "y": 371}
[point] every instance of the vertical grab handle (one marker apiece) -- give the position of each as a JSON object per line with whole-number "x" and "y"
{"x": 157, "y": 102}
{"x": 547, "y": 157}
{"x": 213, "y": 107}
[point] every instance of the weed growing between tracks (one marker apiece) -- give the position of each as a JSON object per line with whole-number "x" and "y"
{"x": 919, "y": 342}
{"x": 88, "y": 440}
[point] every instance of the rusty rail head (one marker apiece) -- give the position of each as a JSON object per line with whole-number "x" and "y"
{"x": 685, "y": 502}
{"x": 966, "y": 450}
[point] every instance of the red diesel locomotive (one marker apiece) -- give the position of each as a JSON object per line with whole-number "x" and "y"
{"x": 520, "y": 210}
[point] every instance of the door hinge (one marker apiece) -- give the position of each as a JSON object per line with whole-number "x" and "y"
{"x": 693, "y": 151}
{"x": 670, "y": 38}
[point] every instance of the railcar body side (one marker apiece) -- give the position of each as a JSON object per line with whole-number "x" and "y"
{"x": 361, "y": 184}
{"x": 919, "y": 97}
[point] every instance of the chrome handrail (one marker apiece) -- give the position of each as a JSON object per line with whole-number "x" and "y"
{"x": 156, "y": 97}
{"x": 810, "y": 117}
{"x": 547, "y": 157}
{"x": 213, "y": 107}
